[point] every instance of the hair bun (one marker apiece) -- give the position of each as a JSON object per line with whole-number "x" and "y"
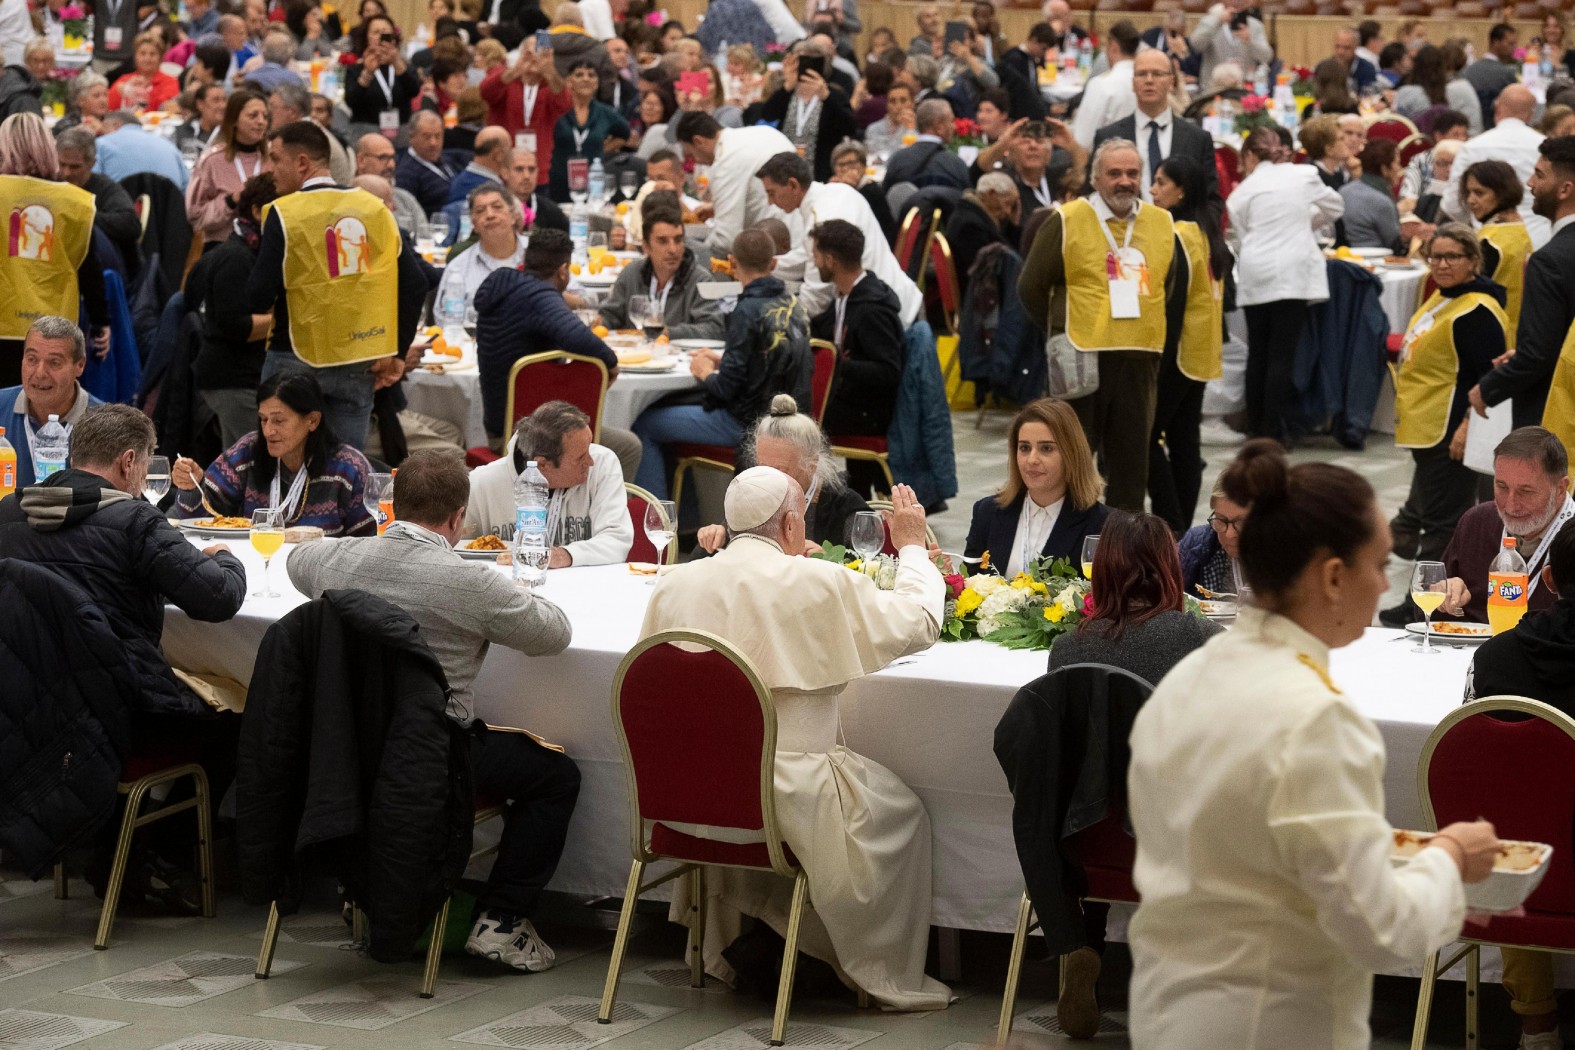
{"x": 784, "y": 405}
{"x": 1260, "y": 475}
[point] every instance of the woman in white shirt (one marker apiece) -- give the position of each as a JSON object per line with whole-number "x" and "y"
{"x": 1256, "y": 793}
{"x": 1280, "y": 268}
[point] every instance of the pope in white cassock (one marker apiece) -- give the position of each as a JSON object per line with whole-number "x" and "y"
{"x": 810, "y": 627}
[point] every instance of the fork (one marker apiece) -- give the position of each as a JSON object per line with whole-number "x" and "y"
{"x": 202, "y": 495}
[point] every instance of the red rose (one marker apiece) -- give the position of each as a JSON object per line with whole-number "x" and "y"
{"x": 1088, "y": 604}
{"x": 955, "y": 585}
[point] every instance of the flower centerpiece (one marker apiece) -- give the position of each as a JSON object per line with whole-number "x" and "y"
{"x": 1301, "y": 81}
{"x": 967, "y": 133}
{"x": 1025, "y": 612}
{"x": 1253, "y": 114}
{"x": 882, "y": 568}
{"x": 73, "y": 23}
{"x": 56, "y": 89}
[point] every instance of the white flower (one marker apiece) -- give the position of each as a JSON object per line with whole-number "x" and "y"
{"x": 1003, "y": 600}
{"x": 986, "y": 583}
{"x": 1070, "y": 600}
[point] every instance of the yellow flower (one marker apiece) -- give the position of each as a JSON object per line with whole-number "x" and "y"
{"x": 856, "y": 564}
{"x": 1054, "y": 613}
{"x": 1038, "y": 587}
{"x": 968, "y": 601}
{"x": 1021, "y": 582}
{"x": 984, "y": 562}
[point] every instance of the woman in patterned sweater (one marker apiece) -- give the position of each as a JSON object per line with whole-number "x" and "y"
{"x": 292, "y": 461}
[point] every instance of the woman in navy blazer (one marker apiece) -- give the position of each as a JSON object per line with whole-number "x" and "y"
{"x": 1052, "y": 466}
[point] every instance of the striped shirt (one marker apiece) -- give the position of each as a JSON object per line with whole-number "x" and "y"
{"x": 332, "y": 501}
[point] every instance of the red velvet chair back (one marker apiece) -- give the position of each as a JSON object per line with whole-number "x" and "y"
{"x": 1107, "y": 853}
{"x": 699, "y": 737}
{"x": 908, "y": 238}
{"x": 1411, "y": 146}
{"x": 1514, "y": 773}
{"x": 1396, "y": 131}
{"x": 1227, "y": 163}
{"x": 825, "y": 359}
{"x": 539, "y": 378}
{"x": 946, "y": 281}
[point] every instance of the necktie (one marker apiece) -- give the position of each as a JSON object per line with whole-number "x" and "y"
{"x": 1154, "y": 159}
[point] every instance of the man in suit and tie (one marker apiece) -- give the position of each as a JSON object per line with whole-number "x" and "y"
{"x": 425, "y": 169}
{"x": 1158, "y": 132}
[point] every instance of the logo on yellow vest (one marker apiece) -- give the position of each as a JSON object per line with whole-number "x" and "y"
{"x": 32, "y": 233}
{"x": 349, "y": 248}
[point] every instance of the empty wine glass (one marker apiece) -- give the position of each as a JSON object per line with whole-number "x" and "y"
{"x": 1090, "y": 545}
{"x": 628, "y": 184}
{"x": 639, "y": 307}
{"x": 439, "y": 227}
{"x": 267, "y": 536}
{"x": 157, "y": 481}
{"x": 1428, "y": 581}
{"x": 661, "y": 522}
{"x": 867, "y": 533}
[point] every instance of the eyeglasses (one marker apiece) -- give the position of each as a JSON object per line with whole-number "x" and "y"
{"x": 1224, "y": 525}
{"x": 1448, "y": 257}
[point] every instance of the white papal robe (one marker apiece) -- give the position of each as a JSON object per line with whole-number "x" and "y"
{"x": 810, "y": 627}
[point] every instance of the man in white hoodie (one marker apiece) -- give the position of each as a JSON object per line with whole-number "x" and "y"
{"x": 588, "y": 514}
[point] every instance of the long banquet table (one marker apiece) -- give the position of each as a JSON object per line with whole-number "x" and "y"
{"x": 930, "y": 719}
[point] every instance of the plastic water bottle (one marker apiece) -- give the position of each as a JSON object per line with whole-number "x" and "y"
{"x": 7, "y": 466}
{"x": 530, "y": 526}
{"x": 465, "y": 228}
{"x": 597, "y": 183}
{"x": 451, "y": 314}
{"x": 1260, "y": 81}
{"x": 1085, "y": 56}
{"x": 579, "y": 225}
{"x": 50, "y": 446}
{"x": 1507, "y": 588}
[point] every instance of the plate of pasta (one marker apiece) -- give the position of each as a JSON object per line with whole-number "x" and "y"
{"x": 1453, "y": 631}
{"x": 482, "y": 548}
{"x": 215, "y": 526}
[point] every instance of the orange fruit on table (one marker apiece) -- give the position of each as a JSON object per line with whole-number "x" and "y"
{"x": 600, "y": 331}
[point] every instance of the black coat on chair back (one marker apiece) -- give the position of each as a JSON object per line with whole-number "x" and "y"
{"x": 349, "y": 763}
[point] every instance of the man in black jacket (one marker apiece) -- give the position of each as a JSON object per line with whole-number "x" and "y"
{"x": 1019, "y": 73}
{"x": 87, "y": 525}
{"x": 113, "y": 211}
{"x": 864, "y": 323}
{"x": 928, "y": 162}
{"x": 1548, "y": 307}
{"x": 1158, "y": 132}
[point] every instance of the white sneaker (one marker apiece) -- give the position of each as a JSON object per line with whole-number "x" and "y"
{"x": 511, "y": 941}
{"x": 1217, "y": 432}
{"x": 1542, "y": 1041}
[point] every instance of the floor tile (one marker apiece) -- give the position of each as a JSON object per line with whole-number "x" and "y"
{"x": 673, "y": 975}
{"x": 32, "y": 1030}
{"x": 26, "y": 951}
{"x": 211, "y": 1041}
{"x": 564, "y": 1024}
{"x": 1042, "y": 1018}
{"x": 373, "y": 1003}
{"x": 324, "y": 929}
{"x": 180, "y": 982}
{"x": 757, "y": 1033}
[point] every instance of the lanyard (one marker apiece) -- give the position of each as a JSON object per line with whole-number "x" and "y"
{"x": 661, "y": 299}
{"x": 842, "y": 309}
{"x": 293, "y": 505}
{"x": 1042, "y": 192}
{"x": 386, "y": 85}
{"x": 112, "y": 8}
{"x": 529, "y": 98}
{"x": 256, "y": 167}
{"x": 1534, "y": 565}
{"x": 805, "y": 110}
{"x": 555, "y": 518}
{"x": 1104, "y": 228}
{"x": 433, "y": 168}
{"x": 579, "y": 139}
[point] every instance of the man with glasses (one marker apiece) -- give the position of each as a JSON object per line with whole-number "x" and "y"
{"x": 374, "y": 155}
{"x": 1158, "y": 132}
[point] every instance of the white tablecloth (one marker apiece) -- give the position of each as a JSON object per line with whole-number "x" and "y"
{"x": 456, "y": 397}
{"x": 931, "y": 721}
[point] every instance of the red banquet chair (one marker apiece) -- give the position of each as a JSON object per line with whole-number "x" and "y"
{"x": 538, "y": 378}
{"x": 642, "y": 549}
{"x": 1477, "y": 764}
{"x": 908, "y": 239}
{"x": 725, "y": 457}
{"x": 1393, "y": 127}
{"x": 1227, "y": 164}
{"x": 1412, "y": 145}
{"x": 699, "y": 737}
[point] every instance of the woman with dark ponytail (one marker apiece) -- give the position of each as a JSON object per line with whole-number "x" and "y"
{"x": 1256, "y": 795}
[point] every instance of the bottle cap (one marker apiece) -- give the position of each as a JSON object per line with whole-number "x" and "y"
{"x": 1509, "y": 541}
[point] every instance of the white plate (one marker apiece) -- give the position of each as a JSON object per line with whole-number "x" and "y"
{"x": 1215, "y": 609}
{"x": 464, "y": 552}
{"x": 656, "y": 366}
{"x": 597, "y": 280}
{"x": 1481, "y": 632}
{"x": 700, "y": 344}
{"x": 210, "y": 531}
{"x": 1371, "y": 253}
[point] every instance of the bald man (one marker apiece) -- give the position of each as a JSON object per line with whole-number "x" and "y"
{"x": 494, "y": 149}
{"x": 1512, "y": 140}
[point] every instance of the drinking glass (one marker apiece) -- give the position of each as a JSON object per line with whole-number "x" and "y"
{"x": 267, "y": 535}
{"x": 639, "y": 307}
{"x": 379, "y": 499}
{"x": 1090, "y": 544}
{"x": 439, "y": 228}
{"x": 628, "y": 185}
{"x": 661, "y": 521}
{"x": 867, "y": 533}
{"x": 157, "y": 482}
{"x": 1427, "y": 590}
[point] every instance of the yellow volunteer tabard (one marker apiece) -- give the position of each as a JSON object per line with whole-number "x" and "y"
{"x": 1513, "y": 242}
{"x": 1559, "y": 414}
{"x": 341, "y": 275}
{"x": 49, "y": 227}
{"x": 1430, "y": 366}
{"x": 1084, "y": 252}
{"x": 1200, "y": 354}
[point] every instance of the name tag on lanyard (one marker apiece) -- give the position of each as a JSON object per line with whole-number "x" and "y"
{"x": 1121, "y": 271}
{"x": 388, "y": 117}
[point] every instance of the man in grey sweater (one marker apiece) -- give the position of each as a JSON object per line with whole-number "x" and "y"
{"x": 463, "y": 607}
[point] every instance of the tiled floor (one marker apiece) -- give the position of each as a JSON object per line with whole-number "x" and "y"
{"x": 186, "y": 984}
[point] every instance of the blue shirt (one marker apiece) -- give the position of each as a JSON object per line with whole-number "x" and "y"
{"x": 13, "y": 416}
{"x": 208, "y": 23}
{"x": 270, "y": 75}
{"x": 133, "y": 149}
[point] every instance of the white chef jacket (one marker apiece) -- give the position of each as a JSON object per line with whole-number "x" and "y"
{"x": 1107, "y": 98}
{"x": 837, "y": 200}
{"x": 783, "y": 24}
{"x": 738, "y": 197}
{"x": 598, "y": 18}
{"x": 1514, "y": 143}
{"x": 1256, "y": 794}
{"x": 1272, "y": 215}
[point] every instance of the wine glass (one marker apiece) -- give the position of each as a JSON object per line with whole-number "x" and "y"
{"x": 1427, "y": 591}
{"x": 379, "y": 497}
{"x": 628, "y": 185}
{"x": 267, "y": 536}
{"x": 639, "y": 307}
{"x": 157, "y": 481}
{"x": 867, "y": 533}
{"x": 1090, "y": 545}
{"x": 439, "y": 228}
{"x": 661, "y": 521}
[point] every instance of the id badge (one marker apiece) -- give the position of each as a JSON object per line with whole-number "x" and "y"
{"x": 525, "y": 140}
{"x": 1124, "y": 299}
{"x": 388, "y": 122}
{"x": 113, "y": 35}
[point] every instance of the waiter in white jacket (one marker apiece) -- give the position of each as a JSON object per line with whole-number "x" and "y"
{"x": 587, "y": 515}
{"x": 789, "y": 185}
{"x": 734, "y": 155}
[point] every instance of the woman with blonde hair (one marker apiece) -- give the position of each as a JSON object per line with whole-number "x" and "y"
{"x": 237, "y": 154}
{"x": 1051, "y": 499}
{"x": 146, "y": 86}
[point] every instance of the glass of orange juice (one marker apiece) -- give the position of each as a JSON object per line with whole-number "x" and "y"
{"x": 267, "y": 536}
